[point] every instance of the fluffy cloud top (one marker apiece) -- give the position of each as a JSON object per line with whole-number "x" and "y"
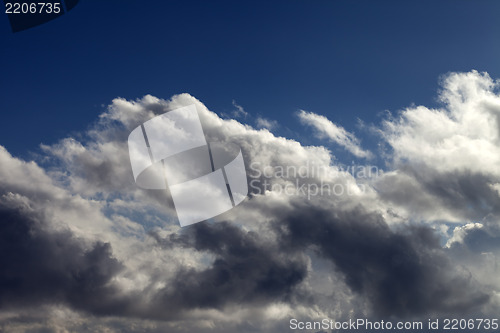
{"x": 445, "y": 161}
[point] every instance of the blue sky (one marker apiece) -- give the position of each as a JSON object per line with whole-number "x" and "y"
{"x": 343, "y": 59}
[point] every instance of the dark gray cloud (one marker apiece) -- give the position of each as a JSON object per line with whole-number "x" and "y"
{"x": 401, "y": 273}
{"x": 247, "y": 268}
{"x": 52, "y": 267}
{"x": 42, "y": 267}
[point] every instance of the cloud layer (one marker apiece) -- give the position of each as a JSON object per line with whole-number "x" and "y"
{"x": 80, "y": 240}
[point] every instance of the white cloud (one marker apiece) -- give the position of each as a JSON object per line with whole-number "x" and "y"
{"x": 239, "y": 111}
{"x": 459, "y": 233}
{"x": 447, "y": 158}
{"x": 461, "y": 136}
{"x": 326, "y": 129}
{"x": 266, "y": 123}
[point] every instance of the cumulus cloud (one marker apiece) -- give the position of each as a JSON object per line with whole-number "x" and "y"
{"x": 80, "y": 240}
{"x": 326, "y": 129}
{"x": 445, "y": 161}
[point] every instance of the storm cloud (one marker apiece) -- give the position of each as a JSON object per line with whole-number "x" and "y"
{"x": 40, "y": 266}
{"x": 402, "y": 273}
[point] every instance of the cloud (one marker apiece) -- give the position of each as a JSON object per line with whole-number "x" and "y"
{"x": 401, "y": 273}
{"x": 445, "y": 160}
{"x": 46, "y": 263}
{"x": 459, "y": 233}
{"x": 41, "y": 266}
{"x": 462, "y": 136}
{"x": 112, "y": 256}
{"x": 325, "y": 129}
{"x": 89, "y": 194}
{"x": 239, "y": 111}
{"x": 246, "y": 269}
{"x": 266, "y": 123}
